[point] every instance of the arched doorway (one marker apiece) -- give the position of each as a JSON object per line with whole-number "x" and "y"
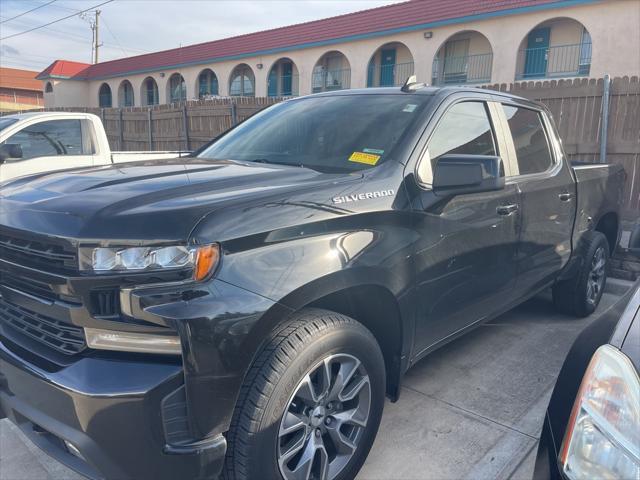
{"x": 560, "y": 47}
{"x": 207, "y": 84}
{"x": 176, "y": 88}
{"x": 104, "y": 96}
{"x": 125, "y": 94}
{"x": 331, "y": 72}
{"x": 466, "y": 57}
{"x": 390, "y": 65}
{"x": 283, "y": 79}
{"x": 149, "y": 92}
{"x": 242, "y": 82}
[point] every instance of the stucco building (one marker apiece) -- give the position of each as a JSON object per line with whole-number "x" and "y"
{"x": 19, "y": 90}
{"x": 441, "y": 41}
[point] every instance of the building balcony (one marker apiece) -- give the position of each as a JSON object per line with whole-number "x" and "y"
{"x": 392, "y": 75}
{"x": 329, "y": 80}
{"x": 283, "y": 86}
{"x": 461, "y": 70}
{"x": 556, "y": 61}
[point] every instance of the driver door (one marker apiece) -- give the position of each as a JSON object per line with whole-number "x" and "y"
{"x": 47, "y": 146}
{"x": 465, "y": 263}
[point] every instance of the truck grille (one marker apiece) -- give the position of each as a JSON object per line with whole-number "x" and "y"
{"x": 28, "y": 285}
{"x": 60, "y": 336}
{"x": 40, "y": 254}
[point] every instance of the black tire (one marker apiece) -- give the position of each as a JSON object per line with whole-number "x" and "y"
{"x": 294, "y": 350}
{"x": 574, "y": 296}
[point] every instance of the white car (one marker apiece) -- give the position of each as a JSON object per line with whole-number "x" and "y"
{"x": 46, "y": 141}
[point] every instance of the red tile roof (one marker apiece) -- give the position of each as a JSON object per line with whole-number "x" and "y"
{"x": 19, "y": 79}
{"x": 64, "y": 69}
{"x": 397, "y": 17}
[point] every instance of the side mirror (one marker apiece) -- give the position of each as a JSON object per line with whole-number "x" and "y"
{"x": 458, "y": 174}
{"x": 10, "y": 151}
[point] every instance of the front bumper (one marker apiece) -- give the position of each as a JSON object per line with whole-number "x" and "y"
{"x": 110, "y": 410}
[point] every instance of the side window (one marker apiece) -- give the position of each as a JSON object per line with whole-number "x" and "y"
{"x": 44, "y": 139}
{"x": 465, "y": 129}
{"x": 529, "y": 140}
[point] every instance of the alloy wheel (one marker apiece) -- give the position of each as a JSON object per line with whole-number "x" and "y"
{"x": 597, "y": 275}
{"x": 325, "y": 419}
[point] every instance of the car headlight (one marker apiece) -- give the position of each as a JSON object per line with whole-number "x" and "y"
{"x": 603, "y": 435}
{"x": 202, "y": 259}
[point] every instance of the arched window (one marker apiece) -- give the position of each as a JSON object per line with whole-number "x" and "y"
{"x": 555, "y": 48}
{"x": 283, "y": 79}
{"x": 104, "y": 96}
{"x": 177, "y": 88}
{"x": 125, "y": 94}
{"x": 242, "y": 82}
{"x": 207, "y": 84}
{"x": 332, "y": 72}
{"x": 466, "y": 57}
{"x": 48, "y": 88}
{"x": 149, "y": 92}
{"x": 390, "y": 65}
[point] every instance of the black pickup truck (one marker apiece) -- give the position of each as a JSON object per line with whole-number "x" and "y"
{"x": 245, "y": 311}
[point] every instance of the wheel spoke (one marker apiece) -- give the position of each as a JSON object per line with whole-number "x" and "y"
{"x": 291, "y": 423}
{"x": 349, "y": 393}
{"x": 342, "y": 444}
{"x": 347, "y": 370}
{"x": 306, "y": 391}
{"x": 292, "y": 450}
{"x": 356, "y": 416}
{"x": 302, "y": 471}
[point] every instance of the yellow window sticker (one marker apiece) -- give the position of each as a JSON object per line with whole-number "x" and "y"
{"x": 361, "y": 157}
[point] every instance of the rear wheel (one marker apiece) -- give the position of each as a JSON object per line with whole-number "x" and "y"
{"x": 311, "y": 404}
{"x": 581, "y": 294}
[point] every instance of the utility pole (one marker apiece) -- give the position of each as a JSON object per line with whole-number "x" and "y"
{"x": 95, "y": 26}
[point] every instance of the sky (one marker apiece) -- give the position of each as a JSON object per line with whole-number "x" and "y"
{"x": 134, "y": 27}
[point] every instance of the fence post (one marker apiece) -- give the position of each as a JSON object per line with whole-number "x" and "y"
{"x": 605, "y": 118}
{"x": 102, "y": 118}
{"x": 185, "y": 124}
{"x": 150, "y": 128}
{"x": 121, "y": 126}
{"x": 234, "y": 113}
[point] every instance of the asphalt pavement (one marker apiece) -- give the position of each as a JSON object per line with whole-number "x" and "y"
{"x": 472, "y": 410}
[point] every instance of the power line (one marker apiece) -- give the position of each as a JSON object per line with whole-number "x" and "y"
{"x": 28, "y": 11}
{"x": 55, "y": 21}
{"x": 114, "y": 37}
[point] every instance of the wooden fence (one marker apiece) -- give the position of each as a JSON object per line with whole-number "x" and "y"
{"x": 576, "y": 106}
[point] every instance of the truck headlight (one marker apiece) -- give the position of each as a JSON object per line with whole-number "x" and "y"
{"x": 603, "y": 434}
{"x": 202, "y": 259}
{"x": 101, "y": 339}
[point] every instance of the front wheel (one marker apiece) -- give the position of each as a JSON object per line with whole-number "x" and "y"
{"x": 581, "y": 294}
{"x": 311, "y": 404}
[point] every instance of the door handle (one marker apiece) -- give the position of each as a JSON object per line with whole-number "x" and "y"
{"x": 507, "y": 209}
{"x": 565, "y": 197}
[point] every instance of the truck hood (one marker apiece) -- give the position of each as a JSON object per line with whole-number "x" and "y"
{"x": 160, "y": 200}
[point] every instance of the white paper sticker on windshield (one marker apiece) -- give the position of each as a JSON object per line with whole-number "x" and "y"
{"x": 410, "y": 107}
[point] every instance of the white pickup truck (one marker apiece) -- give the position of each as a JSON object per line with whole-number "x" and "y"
{"x": 46, "y": 141}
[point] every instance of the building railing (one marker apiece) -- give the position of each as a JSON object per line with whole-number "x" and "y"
{"x": 327, "y": 80}
{"x": 462, "y": 70}
{"x": 558, "y": 61}
{"x": 283, "y": 86}
{"x": 389, "y": 75}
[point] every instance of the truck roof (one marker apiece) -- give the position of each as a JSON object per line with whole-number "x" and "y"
{"x": 27, "y": 115}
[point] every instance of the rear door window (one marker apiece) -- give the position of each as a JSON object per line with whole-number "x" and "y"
{"x": 463, "y": 129}
{"x": 51, "y": 138}
{"x": 530, "y": 141}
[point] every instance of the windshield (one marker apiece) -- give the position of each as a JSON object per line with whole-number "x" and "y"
{"x": 5, "y": 122}
{"x": 342, "y": 133}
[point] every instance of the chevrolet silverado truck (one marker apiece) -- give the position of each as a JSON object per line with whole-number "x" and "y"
{"x": 245, "y": 312}
{"x": 46, "y": 141}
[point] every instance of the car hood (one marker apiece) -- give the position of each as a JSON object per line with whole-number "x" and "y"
{"x": 160, "y": 200}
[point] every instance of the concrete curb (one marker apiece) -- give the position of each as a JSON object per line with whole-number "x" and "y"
{"x": 617, "y": 286}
